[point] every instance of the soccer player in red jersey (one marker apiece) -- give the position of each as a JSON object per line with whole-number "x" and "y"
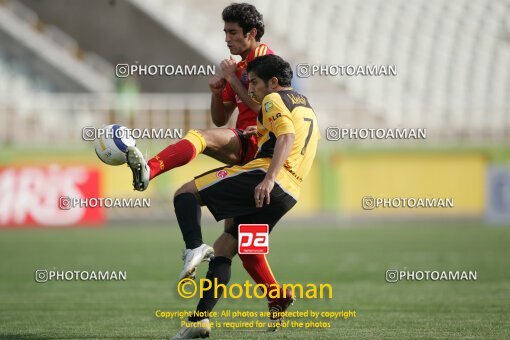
{"x": 243, "y": 27}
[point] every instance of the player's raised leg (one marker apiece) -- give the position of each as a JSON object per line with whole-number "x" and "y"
{"x": 223, "y": 145}
{"x": 188, "y": 212}
{"x": 139, "y": 168}
{"x": 225, "y": 248}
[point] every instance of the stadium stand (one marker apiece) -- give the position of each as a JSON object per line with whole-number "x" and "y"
{"x": 48, "y": 48}
{"x": 452, "y": 59}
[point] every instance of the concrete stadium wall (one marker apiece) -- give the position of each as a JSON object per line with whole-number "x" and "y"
{"x": 120, "y": 33}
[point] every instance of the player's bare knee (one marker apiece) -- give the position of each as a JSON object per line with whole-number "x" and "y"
{"x": 225, "y": 246}
{"x": 180, "y": 191}
{"x": 189, "y": 187}
{"x": 205, "y": 134}
{"x": 200, "y": 131}
{"x": 213, "y": 142}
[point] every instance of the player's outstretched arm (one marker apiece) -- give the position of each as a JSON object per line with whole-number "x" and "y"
{"x": 282, "y": 150}
{"x": 220, "y": 111}
{"x": 228, "y": 67}
{"x": 241, "y": 92}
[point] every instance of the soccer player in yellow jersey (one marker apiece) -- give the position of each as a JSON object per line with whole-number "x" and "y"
{"x": 263, "y": 190}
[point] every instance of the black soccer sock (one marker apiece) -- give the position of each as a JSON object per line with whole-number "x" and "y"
{"x": 188, "y": 214}
{"x": 219, "y": 268}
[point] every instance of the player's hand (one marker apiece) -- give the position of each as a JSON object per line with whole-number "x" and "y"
{"x": 263, "y": 192}
{"x": 229, "y": 68}
{"x": 217, "y": 84}
{"x": 250, "y": 131}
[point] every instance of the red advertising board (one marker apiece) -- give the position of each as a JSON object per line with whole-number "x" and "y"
{"x": 29, "y": 196}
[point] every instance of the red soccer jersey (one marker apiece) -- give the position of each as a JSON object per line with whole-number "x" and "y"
{"x": 246, "y": 116}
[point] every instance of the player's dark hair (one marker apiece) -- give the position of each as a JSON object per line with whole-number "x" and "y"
{"x": 246, "y": 16}
{"x": 269, "y": 66}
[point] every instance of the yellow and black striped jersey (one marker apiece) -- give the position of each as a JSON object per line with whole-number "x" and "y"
{"x": 286, "y": 112}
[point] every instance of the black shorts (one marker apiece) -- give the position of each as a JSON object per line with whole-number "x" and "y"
{"x": 249, "y": 146}
{"x": 230, "y": 194}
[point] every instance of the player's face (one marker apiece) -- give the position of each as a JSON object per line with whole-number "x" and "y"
{"x": 257, "y": 88}
{"x": 237, "y": 41}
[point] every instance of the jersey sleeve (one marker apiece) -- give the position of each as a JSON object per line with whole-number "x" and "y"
{"x": 275, "y": 115}
{"x": 228, "y": 94}
{"x": 261, "y": 50}
{"x": 269, "y": 51}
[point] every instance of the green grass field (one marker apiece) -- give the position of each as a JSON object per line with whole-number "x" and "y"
{"x": 353, "y": 260}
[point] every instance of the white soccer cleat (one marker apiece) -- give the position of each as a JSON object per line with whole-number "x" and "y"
{"x": 193, "y": 257}
{"x": 139, "y": 167}
{"x": 199, "y": 329}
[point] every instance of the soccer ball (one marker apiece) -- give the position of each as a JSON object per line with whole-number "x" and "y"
{"x": 111, "y": 144}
